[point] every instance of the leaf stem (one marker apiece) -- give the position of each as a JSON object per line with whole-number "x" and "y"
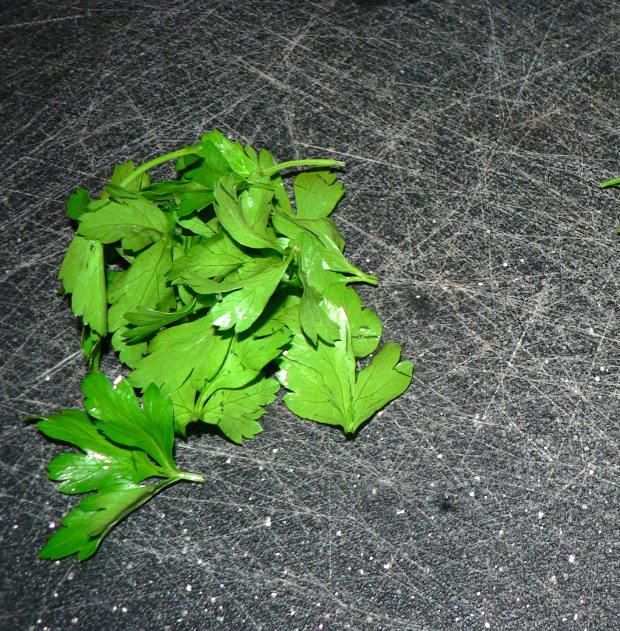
{"x": 190, "y": 477}
{"x": 301, "y": 163}
{"x": 173, "y": 155}
{"x": 614, "y": 182}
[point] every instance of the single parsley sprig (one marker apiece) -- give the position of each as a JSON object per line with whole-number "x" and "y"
{"x": 123, "y": 446}
{"x": 205, "y": 285}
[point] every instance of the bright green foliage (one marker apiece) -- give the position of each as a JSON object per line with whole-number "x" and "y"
{"x": 325, "y": 385}
{"x": 615, "y": 183}
{"x": 206, "y": 285}
{"x": 125, "y": 446}
{"x": 83, "y": 276}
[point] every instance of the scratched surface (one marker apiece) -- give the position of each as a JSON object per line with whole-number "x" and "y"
{"x": 475, "y": 134}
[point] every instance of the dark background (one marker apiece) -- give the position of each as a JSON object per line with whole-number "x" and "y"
{"x": 475, "y": 135}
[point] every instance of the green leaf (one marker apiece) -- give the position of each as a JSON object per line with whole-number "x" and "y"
{"x": 315, "y": 240}
{"x": 316, "y": 193}
{"x": 136, "y": 223}
{"x": 229, "y": 213}
{"x": 193, "y": 350}
{"x": 130, "y": 353}
{"x": 72, "y": 538}
{"x": 113, "y": 505}
{"x": 113, "y": 464}
{"x": 193, "y": 201}
{"x": 143, "y": 284}
{"x": 247, "y": 357}
{"x": 254, "y": 285}
{"x": 102, "y": 464}
{"x": 209, "y": 258}
{"x": 199, "y": 227}
{"x": 236, "y": 411}
{"x": 255, "y": 204}
{"x": 121, "y": 419}
{"x": 85, "y": 527}
{"x": 325, "y": 386}
{"x": 77, "y": 204}
{"x": 232, "y": 152}
{"x": 147, "y": 321}
{"x": 364, "y": 324}
{"x": 83, "y": 275}
{"x": 384, "y": 379}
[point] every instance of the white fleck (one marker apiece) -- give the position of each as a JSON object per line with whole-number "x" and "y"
{"x": 571, "y": 558}
{"x": 117, "y": 380}
{"x": 268, "y": 522}
{"x": 472, "y": 493}
{"x": 487, "y": 625}
{"x": 597, "y": 378}
{"x": 188, "y": 588}
{"x": 52, "y": 524}
{"x": 400, "y": 511}
{"x": 440, "y": 456}
{"x": 273, "y": 594}
{"x": 541, "y": 514}
{"x": 47, "y": 378}
{"x": 338, "y": 533}
{"x": 388, "y": 565}
{"x": 124, "y": 609}
{"x": 74, "y": 620}
{"x": 553, "y": 578}
{"x": 505, "y": 264}
{"x": 274, "y": 450}
{"x": 228, "y": 460}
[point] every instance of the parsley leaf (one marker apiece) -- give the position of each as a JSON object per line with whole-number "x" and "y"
{"x": 83, "y": 275}
{"x": 316, "y": 193}
{"x": 208, "y": 258}
{"x": 136, "y": 223}
{"x": 235, "y": 411}
{"x": 233, "y": 220}
{"x": 325, "y": 385}
{"x": 114, "y": 463}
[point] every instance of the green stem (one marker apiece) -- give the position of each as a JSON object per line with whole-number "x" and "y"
{"x": 301, "y": 163}
{"x": 187, "y": 151}
{"x": 190, "y": 477}
{"x": 614, "y": 182}
{"x": 174, "y": 475}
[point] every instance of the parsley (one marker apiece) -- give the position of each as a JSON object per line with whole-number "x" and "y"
{"x": 205, "y": 285}
{"x": 615, "y": 183}
{"x": 124, "y": 446}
